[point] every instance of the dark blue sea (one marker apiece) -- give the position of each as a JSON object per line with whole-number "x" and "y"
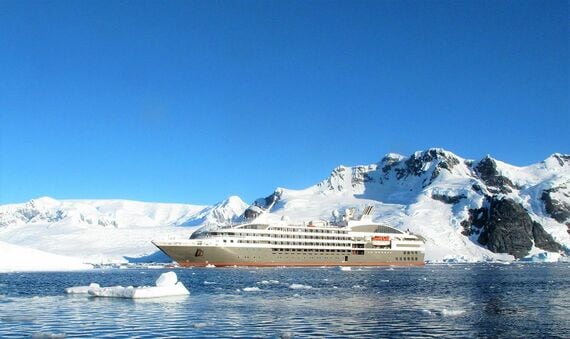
{"x": 475, "y": 300}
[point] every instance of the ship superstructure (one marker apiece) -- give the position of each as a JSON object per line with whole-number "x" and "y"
{"x": 350, "y": 242}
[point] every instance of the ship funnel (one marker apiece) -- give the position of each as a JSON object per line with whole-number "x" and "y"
{"x": 368, "y": 210}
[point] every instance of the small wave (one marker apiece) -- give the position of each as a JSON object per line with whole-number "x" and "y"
{"x": 251, "y": 289}
{"x": 451, "y": 312}
{"x": 300, "y": 287}
{"x": 209, "y": 282}
{"x": 269, "y": 282}
{"x": 45, "y": 335}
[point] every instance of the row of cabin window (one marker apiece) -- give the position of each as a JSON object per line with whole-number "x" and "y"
{"x": 291, "y": 243}
{"x": 306, "y": 250}
{"x": 284, "y": 236}
{"x": 410, "y": 252}
{"x": 406, "y": 259}
{"x": 307, "y": 230}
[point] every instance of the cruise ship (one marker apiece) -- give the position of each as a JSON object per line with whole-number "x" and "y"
{"x": 350, "y": 242}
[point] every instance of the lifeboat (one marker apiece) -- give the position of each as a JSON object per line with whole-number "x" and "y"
{"x": 381, "y": 240}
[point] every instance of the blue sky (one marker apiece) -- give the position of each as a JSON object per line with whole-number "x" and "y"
{"x": 194, "y": 101}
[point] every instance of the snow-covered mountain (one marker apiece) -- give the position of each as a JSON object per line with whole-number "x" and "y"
{"x": 467, "y": 210}
{"x": 102, "y": 231}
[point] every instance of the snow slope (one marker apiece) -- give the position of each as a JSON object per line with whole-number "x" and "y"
{"x": 105, "y": 231}
{"x": 17, "y": 258}
{"x": 433, "y": 193}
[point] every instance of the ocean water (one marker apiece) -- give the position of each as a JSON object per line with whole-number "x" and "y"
{"x": 476, "y": 300}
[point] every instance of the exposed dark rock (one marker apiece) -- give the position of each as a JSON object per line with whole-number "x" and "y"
{"x": 252, "y": 212}
{"x": 477, "y": 188}
{"x": 477, "y": 219}
{"x": 487, "y": 171}
{"x": 558, "y": 210}
{"x": 268, "y": 201}
{"x": 415, "y": 164}
{"x": 447, "y": 199}
{"x": 262, "y": 204}
{"x": 544, "y": 240}
{"x": 360, "y": 175}
{"x": 562, "y": 159}
{"x": 338, "y": 172}
{"x": 509, "y": 229}
{"x": 390, "y": 161}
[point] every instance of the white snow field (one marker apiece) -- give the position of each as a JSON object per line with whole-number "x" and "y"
{"x": 17, "y": 258}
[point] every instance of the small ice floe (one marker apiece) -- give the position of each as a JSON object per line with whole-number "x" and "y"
{"x": 210, "y": 266}
{"x": 251, "y": 289}
{"x": 451, "y": 312}
{"x": 358, "y": 287}
{"x": 446, "y": 312}
{"x": 300, "y": 287}
{"x": 167, "y": 285}
{"x": 209, "y": 282}
{"x": 269, "y": 282}
{"x": 345, "y": 268}
{"x": 81, "y": 289}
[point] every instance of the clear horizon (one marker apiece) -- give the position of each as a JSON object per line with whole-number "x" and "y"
{"x": 192, "y": 102}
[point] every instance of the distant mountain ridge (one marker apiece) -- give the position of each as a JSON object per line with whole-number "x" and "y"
{"x": 467, "y": 210}
{"x": 118, "y": 213}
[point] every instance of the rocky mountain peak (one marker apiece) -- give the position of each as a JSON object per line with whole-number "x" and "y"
{"x": 486, "y": 169}
{"x": 421, "y": 162}
{"x": 561, "y": 159}
{"x": 391, "y": 158}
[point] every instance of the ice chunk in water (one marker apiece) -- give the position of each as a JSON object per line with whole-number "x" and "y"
{"x": 81, "y": 289}
{"x": 251, "y": 289}
{"x": 166, "y": 286}
{"x": 167, "y": 279}
{"x": 299, "y": 287}
{"x": 140, "y": 292}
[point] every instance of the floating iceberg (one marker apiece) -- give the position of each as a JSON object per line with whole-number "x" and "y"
{"x": 167, "y": 285}
{"x": 81, "y": 289}
{"x": 542, "y": 257}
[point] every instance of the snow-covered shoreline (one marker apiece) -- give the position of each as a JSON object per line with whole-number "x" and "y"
{"x": 15, "y": 258}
